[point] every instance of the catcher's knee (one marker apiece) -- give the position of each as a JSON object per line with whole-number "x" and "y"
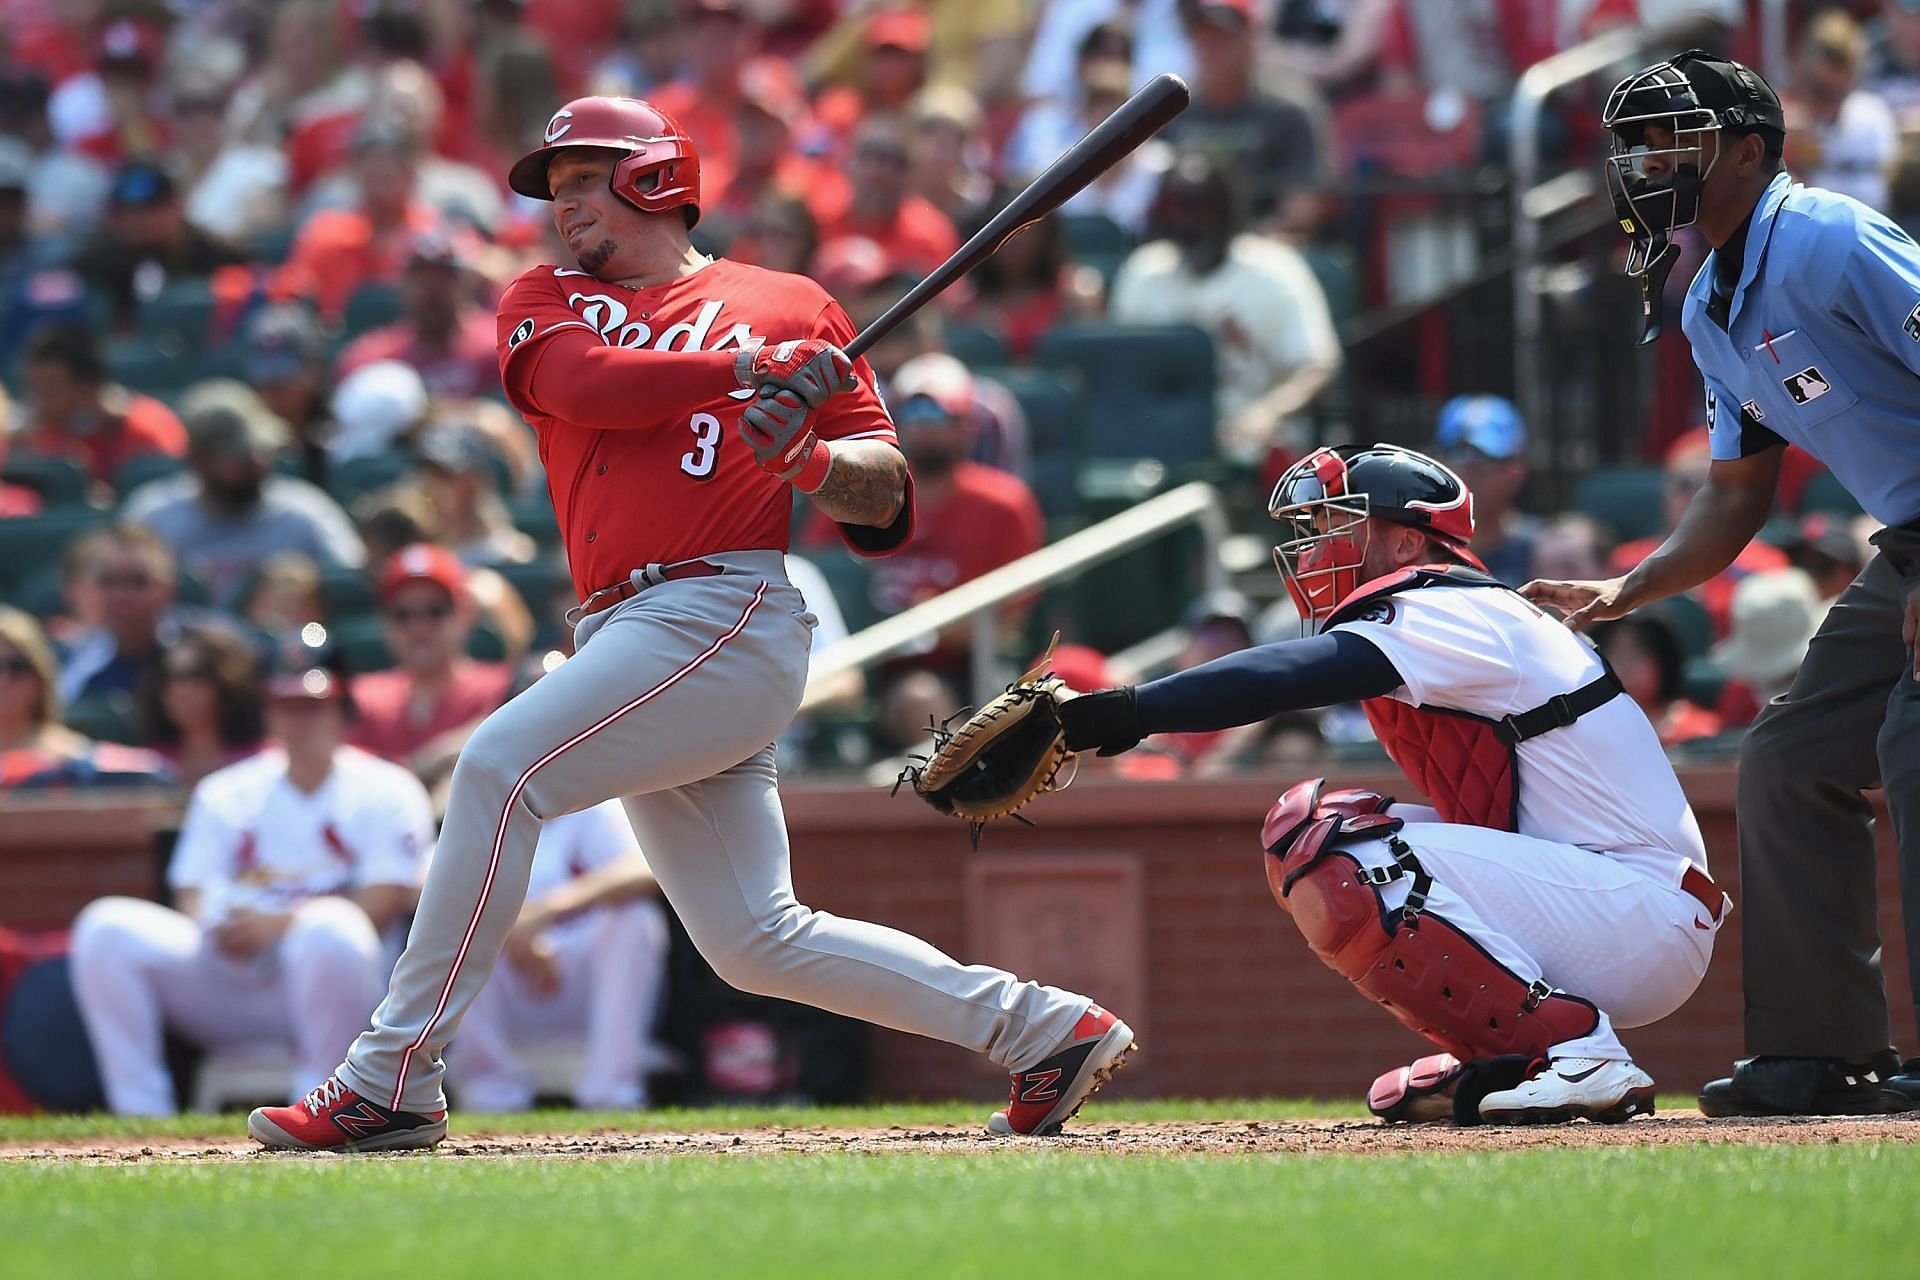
{"x": 1417, "y": 965}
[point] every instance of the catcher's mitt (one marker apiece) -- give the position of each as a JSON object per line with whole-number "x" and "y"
{"x": 1006, "y": 753}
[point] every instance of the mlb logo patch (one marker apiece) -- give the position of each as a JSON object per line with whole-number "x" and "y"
{"x": 1807, "y": 385}
{"x": 1912, "y": 326}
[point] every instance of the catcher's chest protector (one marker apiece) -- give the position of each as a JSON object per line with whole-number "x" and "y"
{"x": 1465, "y": 763}
{"x": 1410, "y": 961}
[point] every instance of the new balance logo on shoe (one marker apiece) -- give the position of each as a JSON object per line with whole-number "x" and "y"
{"x": 360, "y": 1121}
{"x": 1040, "y": 1086}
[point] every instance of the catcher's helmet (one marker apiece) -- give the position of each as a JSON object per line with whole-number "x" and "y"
{"x": 1691, "y": 95}
{"x": 661, "y": 169}
{"x": 1326, "y": 498}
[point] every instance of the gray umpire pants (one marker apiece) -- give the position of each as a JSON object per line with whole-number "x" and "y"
{"x": 1850, "y": 722}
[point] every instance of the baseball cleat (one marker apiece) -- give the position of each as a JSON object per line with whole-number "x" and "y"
{"x": 335, "y": 1118}
{"x": 1046, "y": 1095}
{"x": 1417, "y": 1094}
{"x": 1605, "y": 1089}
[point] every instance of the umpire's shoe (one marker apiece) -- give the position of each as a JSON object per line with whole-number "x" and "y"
{"x": 1906, "y": 1082}
{"x": 1774, "y": 1086}
{"x": 335, "y": 1118}
{"x": 1046, "y": 1095}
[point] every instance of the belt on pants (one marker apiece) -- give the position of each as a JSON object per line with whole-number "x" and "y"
{"x": 628, "y": 588}
{"x": 1701, "y": 885}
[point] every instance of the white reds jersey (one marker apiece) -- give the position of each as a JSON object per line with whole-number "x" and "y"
{"x": 253, "y": 839}
{"x": 1603, "y": 782}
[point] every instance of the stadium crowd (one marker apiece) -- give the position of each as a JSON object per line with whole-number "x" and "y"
{"x": 257, "y": 470}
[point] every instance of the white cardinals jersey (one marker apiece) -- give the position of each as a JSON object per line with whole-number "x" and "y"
{"x": 253, "y": 839}
{"x": 1602, "y": 783}
{"x": 573, "y": 844}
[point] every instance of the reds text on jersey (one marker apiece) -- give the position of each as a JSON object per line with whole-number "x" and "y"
{"x": 664, "y": 476}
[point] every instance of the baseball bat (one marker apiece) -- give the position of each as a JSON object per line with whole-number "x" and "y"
{"x": 1112, "y": 140}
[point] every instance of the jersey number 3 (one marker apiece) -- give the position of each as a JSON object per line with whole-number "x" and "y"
{"x": 698, "y": 461}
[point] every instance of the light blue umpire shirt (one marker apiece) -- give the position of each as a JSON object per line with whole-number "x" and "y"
{"x": 1822, "y": 347}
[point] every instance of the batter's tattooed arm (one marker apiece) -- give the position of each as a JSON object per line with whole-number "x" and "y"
{"x": 867, "y": 483}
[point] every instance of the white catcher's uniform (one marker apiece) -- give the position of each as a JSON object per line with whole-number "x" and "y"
{"x": 1586, "y": 893}
{"x": 252, "y": 839}
{"x": 611, "y": 961}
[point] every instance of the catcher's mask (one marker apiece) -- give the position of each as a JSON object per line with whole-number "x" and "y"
{"x": 1326, "y": 500}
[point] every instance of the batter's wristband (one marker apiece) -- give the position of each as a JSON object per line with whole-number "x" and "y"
{"x": 813, "y": 472}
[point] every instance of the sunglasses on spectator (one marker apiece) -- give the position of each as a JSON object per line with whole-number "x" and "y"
{"x": 428, "y": 613}
{"x": 17, "y": 667}
{"x": 884, "y": 155}
{"x": 132, "y": 580}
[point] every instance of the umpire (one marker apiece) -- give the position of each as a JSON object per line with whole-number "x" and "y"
{"x": 1805, "y": 323}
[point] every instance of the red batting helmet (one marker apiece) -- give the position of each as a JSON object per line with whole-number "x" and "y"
{"x": 661, "y": 170}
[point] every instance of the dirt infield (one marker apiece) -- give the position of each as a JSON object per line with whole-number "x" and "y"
{"x": 1223, "y": 1138}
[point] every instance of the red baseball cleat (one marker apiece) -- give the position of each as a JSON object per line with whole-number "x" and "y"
{"x": 335, "y": 1118}
{"x": 1046, "y": 1095}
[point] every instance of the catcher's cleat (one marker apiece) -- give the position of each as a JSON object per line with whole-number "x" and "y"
{"x": 1418, "y": 1094}
{"x": 335, "y": 1118}
{"x": 1046, "y": 1095}
{"x": 1608, "y": 1090}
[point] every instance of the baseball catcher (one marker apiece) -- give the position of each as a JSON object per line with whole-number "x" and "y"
{"x": 1555, "y": 890}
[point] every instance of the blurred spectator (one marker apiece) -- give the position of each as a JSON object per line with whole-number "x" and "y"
{"x": 232, "y": 188}
{"x": 443, "y": 330}
{"x": 722, "y": 44}
{"x": 20, "y": 252}
{"x": 286, "y": 361}
{"x": 650, "y": 53}
{"x": 1825, "y": 550}
{"x": 864, "y": 279}
{"x": 994, "y": 421}
{"x": 299, "y": 80}
{"x": 1084, "y": 668}
{"x": 1124, "y": 192}
{"x": 1686, "y": 474}
{"x": 1570, "y": 546}
{"x": 916, "y": 236}
{"x": 1158, "y": 42}
{"x": 82, "y": 609}
{"x": 769, "y": 160}
{"x": 108, "y": 110}
{"x": 884, "y": 80}
{"x": 36, "y": 750}
{"x": 949, "y": 164}
{"x": 1483, "y": 438}
{"x": 911, "y": 704}
{"x": 1031, "y": 285}
{"x": 66, "y": 189}
{"x": 977, "y": 45}
{"x": 781, "y": 235}
{"x": 284, "y": 595}
{"x": 15, "y": 499}
{"x": 520, "y": 87}
{"x": 1644, "y": 651}
{"x": 375, "y": 410}
{"x": 458, "y": 474}
{"x": 1275, "y": 139}
{"x": 1335, "y": 44}
{"x": 1893, "y": 62}
{"x": 1256, "y": 296}
{"x": 1844, "y": 137}
{"x": 392, "y": 517}
{"x": 289, "y": 867}
{"x": 146, "y": 243}
{"x": 75, "y": 412}
{"x": 133, "y": 573}
{"x": 1774, "y": 618}
{"x": 421, "y": 713}
{"x": 969, "y": 519}
{"x": 201, "y": 709}
{"x": 1217, "y": 624}
{"x": 340, "y": 250}
{"x": 228, "y": 512}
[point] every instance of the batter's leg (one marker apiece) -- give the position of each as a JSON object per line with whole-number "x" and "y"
{"x": 719, "y": 849}
{"x": 1808, "y": 874}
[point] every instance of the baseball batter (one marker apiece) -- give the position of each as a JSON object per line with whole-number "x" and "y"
{"x": 289, "y": 866}
{"x": 1558, "y": 888}
{"x": 679, "y": 400}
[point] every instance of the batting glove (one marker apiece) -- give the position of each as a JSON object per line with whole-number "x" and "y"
{"x": 775, "y": 428}
{"x": 810, "y": 367}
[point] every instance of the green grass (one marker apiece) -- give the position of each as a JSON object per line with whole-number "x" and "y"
{"x": 1680, "y": 1211}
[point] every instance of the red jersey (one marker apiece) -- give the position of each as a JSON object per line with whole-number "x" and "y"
{"x": 383, "y": 722}
{"x": 633, "y": 396}
{"x": 464, "y": 369}
{"x": 988, "y": 519}
{"x": 142, "y": 425}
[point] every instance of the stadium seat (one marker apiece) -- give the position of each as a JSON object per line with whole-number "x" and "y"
{"x": 1824, "y": 492}
{"x": 30, "y": 543}
{"x": 974, "y": 345}
{"x": 1049, "y": 399}
{"x": 852, "y": 583}
{"x": 59, "y": 481}
{"x": 347, "y": 591}
{"x": 1097, "y": 240}
{"x": 1626, "y": 499}
{"x": 38, "y": 592}
{"x": 180, "y": 315}
{"x": 104, "y": 718}
{"x": 534, "y": 517}
{"x": 1150, "y": 388}
{"x": 349, "y": 479}
{"x": 373, "y": 304}
{"x": 536, "y": 581}
{"x": 362, "y": 643}
{"x": 148, "y": 365}
{"x": 143, "y": 467}
{"x": 1691, "y": 622}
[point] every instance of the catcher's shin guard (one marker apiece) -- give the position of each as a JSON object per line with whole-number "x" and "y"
{"x": 1417, "y": 965}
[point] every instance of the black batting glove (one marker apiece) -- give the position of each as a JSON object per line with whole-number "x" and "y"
{"x": 1108, "y": 720}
